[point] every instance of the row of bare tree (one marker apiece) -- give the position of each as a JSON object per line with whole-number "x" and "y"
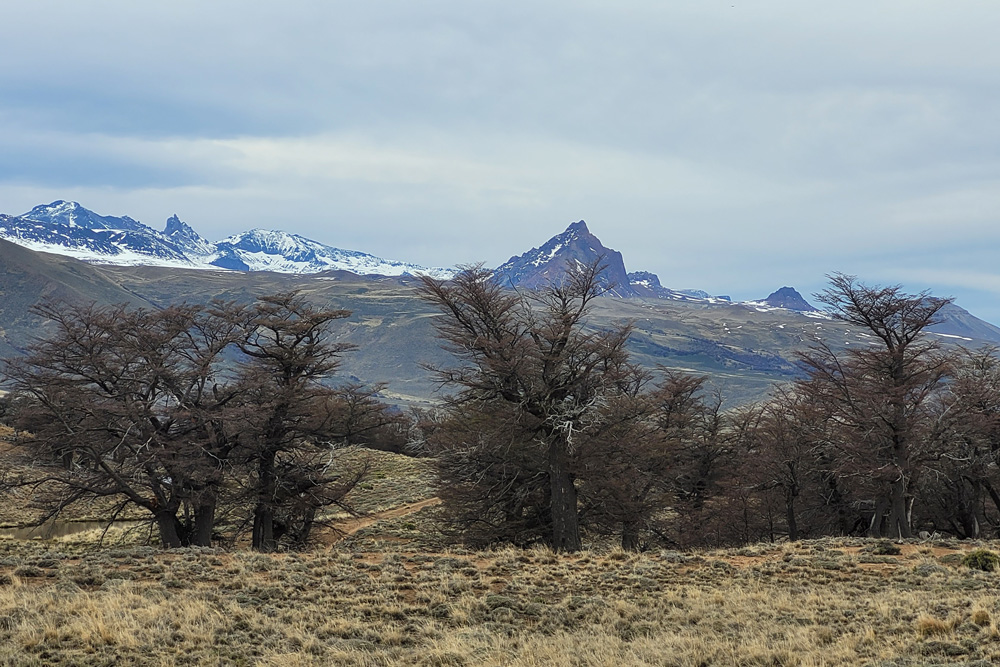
{"x": 200, "y": 416}
{"x": 552, "y": 429}
{"x": 226, "y": 416}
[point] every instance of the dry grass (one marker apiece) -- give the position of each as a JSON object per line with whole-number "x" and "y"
{"x": 805, "y": 604}
{"x": 391, "y": 594}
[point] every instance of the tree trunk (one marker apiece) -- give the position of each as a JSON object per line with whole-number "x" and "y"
{"x": 630, "y": 535}
{"x": 565, "y": 519}
{"x": 793, "y": 526}
{"x": 204, "y": 523}
{"x": 837, "y": 500}
{"x": 899, "y": 516}
{"x": 875, "y": 527}
{"x": 263, "y": 514}
{"x": 994, "y": 496}
{"x": 166, "y": 522}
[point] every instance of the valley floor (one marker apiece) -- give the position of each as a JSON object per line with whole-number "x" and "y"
{"x": 372, "y": 599}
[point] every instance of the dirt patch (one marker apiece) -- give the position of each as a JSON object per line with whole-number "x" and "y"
{"x": 343, "y": 529}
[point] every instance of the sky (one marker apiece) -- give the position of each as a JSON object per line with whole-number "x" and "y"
{"x": 733, "y": 147}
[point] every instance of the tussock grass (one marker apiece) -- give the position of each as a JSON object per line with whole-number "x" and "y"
{"x": 394, "y": 594}
{"x": 61, "y": 604}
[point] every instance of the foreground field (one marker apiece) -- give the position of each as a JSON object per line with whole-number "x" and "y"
{"x": 374, "y": 601}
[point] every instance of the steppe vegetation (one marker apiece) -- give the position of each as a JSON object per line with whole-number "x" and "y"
{"x": 562, "y": 506}
{"x": 391, "y": 594}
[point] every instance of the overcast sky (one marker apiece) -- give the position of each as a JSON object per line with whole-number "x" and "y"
{"x": 729, "y": 146}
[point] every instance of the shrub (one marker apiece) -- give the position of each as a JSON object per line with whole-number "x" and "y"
{"x": 981, "y": 559}
{"x": 883, "y": 548}
{"x": 981, "y": 617}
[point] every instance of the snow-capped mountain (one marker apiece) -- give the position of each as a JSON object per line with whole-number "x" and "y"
{"x": 66, "y": 228}
{"x": 269, "y": 250}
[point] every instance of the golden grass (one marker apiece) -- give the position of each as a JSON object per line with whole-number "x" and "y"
{"x": 810, "y": 604}
{"x": 392, "y": 594}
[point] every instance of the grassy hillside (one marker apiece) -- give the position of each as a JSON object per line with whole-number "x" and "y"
{"x": 745, "y": 351}
{"x": 27, "y": 277}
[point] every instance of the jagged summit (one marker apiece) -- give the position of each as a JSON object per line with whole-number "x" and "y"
{"x": 577, "y": 244}
{"x": 789, "y": 298}
{"x": 67, "y": 228}
{"x": 644, "y": 278}
{"x": 72, "y": 214}
{"x": 547, "y": 263}
{"x": 187, "y": 238}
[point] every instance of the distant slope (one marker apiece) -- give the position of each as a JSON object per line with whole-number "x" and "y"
{"x": 744, "y": 348}
{"x": 28, "y": 277}
{"x": 964, "y": 327}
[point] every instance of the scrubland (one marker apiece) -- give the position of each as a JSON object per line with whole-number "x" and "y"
{"x": 373, "y": 600}
{"x": 393, "y": 593}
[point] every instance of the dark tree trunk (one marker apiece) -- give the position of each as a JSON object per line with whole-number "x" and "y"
{"x": 844, "y": 521}
{"x": 793, "y": 526}
{"x": 263, "y": 515}
{"x": 166, "y": 522}
{"x": 565, "y": 518}
{"x": 875, "y": 527}
{"x": 204, "y": 524}
{"x": 994, "y": 496}
{"x": 630, "y": 535}
{"x": 899, "y": 515}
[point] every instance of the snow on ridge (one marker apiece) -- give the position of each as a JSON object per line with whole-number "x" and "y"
{"x": 283, "y": 252}
{"x": 66, "y": 228}
{"x": 944, "y": 335}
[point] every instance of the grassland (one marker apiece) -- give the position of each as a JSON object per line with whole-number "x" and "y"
{"x": 815, "y": 603}
{"x": 384, "y": 589}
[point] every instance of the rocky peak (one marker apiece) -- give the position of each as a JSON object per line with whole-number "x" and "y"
{"x": 788, "y": 297}
{"x": 190, "y": 241}
{"x": 547, "y": 263}
{"x": 175, "y": 225}
{"x": 644, "y": 278}
{"x": 71, "y": 214}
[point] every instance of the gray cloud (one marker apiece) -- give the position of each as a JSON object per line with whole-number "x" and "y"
{"x": 731, "y": 146}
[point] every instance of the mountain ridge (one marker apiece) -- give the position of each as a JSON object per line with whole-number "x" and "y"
{"x": 69, "y": 229}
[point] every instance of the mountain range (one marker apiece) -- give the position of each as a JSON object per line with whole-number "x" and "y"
{"x": 67, "y": 228}
{"x": 744, "y": 347}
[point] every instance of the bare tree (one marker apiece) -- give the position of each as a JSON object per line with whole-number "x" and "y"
{"x": 877, "y": 394}
{"x": 963, "y": 470}
{"x": 286, "y": 409}
{"x": 532, "y": 352}
{"x": 168, "y": 409}
{"x": 129, "y": 404}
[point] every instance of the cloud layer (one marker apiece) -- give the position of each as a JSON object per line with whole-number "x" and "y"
{"x": 728, "y": 146}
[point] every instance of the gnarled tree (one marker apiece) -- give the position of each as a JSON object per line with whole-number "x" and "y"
{"x": 877, "y": 395}
{"x": 532, "y": 354}
{"x": 130, "y": 405}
